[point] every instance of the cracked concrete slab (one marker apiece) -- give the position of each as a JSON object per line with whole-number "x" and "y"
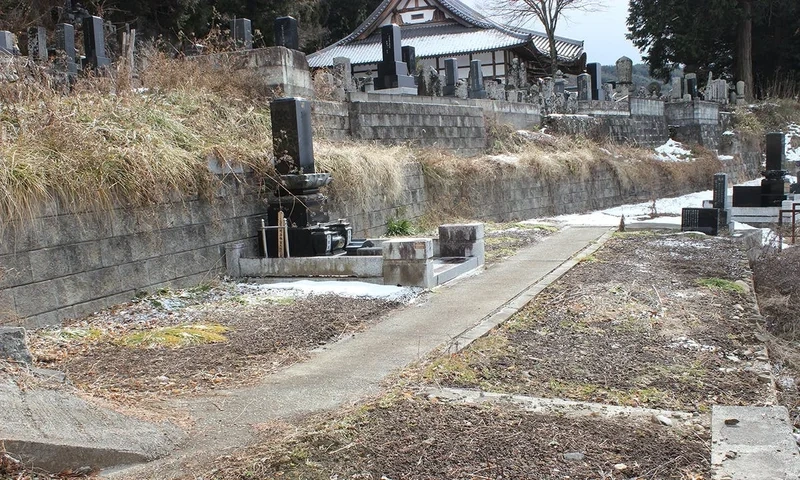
{"x": 56, "y": 430}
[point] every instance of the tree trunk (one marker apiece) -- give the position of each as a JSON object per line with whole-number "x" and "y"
{"x": 551, "y": 38}
{"x": 744, "y": 48}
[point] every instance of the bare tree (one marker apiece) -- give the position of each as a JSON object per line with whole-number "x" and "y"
{"x": 546, "y": 12}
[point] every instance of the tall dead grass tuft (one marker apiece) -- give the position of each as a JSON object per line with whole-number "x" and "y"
{"x": 100, "y": 146}
{"x": 360, "y": 170}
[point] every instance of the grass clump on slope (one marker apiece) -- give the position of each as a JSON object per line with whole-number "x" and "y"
{"x": 101, "y": 144}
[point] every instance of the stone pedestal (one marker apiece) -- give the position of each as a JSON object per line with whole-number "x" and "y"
{"x": 408, "y": 262}
{"x": 462, "y": 240}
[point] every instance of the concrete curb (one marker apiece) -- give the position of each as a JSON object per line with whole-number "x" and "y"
{"x": 506, "y": 311}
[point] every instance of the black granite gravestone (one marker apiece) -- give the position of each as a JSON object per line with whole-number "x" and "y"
{"x": 450, "y": 77}
{"x": 691, "y": 85}
{"x": 287, "y": 33}
{"x": 94, "y": 43}
{"x": 242, "y": 33}
{"x": 776, "y": 151}
{"x": 292, "y": 135}
{"x": 746, "y": 196}
{"x": 705, "y": 220}
{"x": 392, "y": 71}
{"x": 65, "y": 47}
{"x": 596, "y": 88}
{"x": 409, "y": 55}
{"x": 720, "y": 191}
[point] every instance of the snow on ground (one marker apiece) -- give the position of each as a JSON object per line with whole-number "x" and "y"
{"x": 792, "y": 154}
{"x": 504, "y": 159}
{"x": 673, "y": 151}
{"x": 347, "y": 288}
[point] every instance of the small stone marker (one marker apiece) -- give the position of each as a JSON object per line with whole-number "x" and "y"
{"x": 13, "y": 346}
{"x": 287, "y": 33}
{"x": 450, "y": 77}
{"x": 94, "y": 43}
{"x": 476, "y": 88}
{"x": 677, "y": 89}
{"x": 65, "y": 44}
{"x": 776, "y": 151}
{"x": 292, "y": 135}
{"x": 596, "y": 73}
{"x": 392, "y": 71}
{"x": 625, "y": 70}
{"x": 7, "y": 42}
{"x": 584, "y": 81}
{"x": 242, "y": 32}
{"x": 705, "y": 220}
{"x": 37, "y": 44}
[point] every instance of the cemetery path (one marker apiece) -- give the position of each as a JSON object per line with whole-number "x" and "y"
{"x": 354, "y": 368}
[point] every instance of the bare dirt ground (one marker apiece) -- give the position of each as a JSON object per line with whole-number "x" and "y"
{"x": 634, "y": 325}
{"x": 654, "y": 321}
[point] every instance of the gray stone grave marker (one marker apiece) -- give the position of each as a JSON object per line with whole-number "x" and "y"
{"x": 287, "y": 33}
{"x": 242, "y": 32}
{"x": 584, "y": 82}
{"x": 37, "y": 44}
{"x": 476, "y": 88}
{"x": 450, "y": 77}
{"x": 94, "y": 43}
{"x": 691, "y": 85}
{"x": 344, "y": 71}
{"x": 7, "y": 43}
{"x": 392, "y": 71}
{"x": 677, "y": 89}
{"x": 292, "y": 136}
{"x": 65, "y": 45}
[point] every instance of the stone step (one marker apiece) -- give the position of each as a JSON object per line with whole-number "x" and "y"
{"x": 753, "y": 443}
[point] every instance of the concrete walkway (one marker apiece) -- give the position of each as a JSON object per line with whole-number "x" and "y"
{"x": 350, "y": 370}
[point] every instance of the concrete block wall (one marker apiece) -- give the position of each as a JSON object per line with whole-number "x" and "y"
{"x": 68, "y": 263}
{"x": 330, "y": 119}
{"x": 371, "y": 218}
{"x": 453, "y": 127}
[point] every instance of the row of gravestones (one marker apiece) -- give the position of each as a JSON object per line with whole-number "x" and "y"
{"x": 286, "y": 34}
{"x": 717, "y": 90}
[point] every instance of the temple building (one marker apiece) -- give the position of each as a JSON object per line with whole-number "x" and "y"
{"x": 440, "y": 29}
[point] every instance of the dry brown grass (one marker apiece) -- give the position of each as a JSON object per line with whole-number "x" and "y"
{"x": 103, "y": 145}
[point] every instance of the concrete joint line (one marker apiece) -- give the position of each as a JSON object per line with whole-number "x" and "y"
{"x": 508, "y": 309}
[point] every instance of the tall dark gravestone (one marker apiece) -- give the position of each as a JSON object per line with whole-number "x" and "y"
{"x": 450, "y": 77}
{"x": 596, "y": 88}
{"x": 287, "y": 33}
{"x": 37, "y": 44}
{"x": 720, "y": 191}
{"x": 691, "y": 85}
{"x": 776, "y": 151}
{"x": 65, "y": 46}
{"x": 242, "y": 32}
{"x": 410, "y": 59}
{"x": 94, "y": 43}
{"x": 292, "y": 136}
{"x": 392, "y": 71}
{"x": 476, "y": 88}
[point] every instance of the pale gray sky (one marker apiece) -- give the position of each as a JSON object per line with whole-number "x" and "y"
{"x": 602, "y": 31}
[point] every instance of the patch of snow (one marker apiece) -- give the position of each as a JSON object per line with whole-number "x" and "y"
{"x": 570, "y": 115}
{"x": 689, "y": 344}
{"x": 728, "y": 132}
{"x": 673, "y": 151}
{"x": 345, "y": 289}
{"x": 529, "y": 134}
{"x": 792, "y": 154}
{"x": 725, "y": 157}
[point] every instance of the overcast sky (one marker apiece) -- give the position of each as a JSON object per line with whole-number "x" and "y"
{"x": 603, "y": 31}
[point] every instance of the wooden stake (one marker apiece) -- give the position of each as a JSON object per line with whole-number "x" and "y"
{"x": 281, "y": 238}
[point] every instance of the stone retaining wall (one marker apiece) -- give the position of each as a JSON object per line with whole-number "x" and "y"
{"x": 66, "y": 263}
